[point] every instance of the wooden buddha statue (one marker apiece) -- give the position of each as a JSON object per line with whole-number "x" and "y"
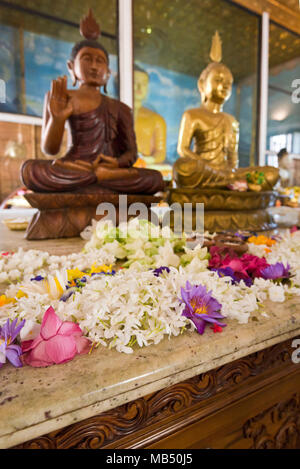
{"x": 212, "y": 162}
{"x": 102, "y": 143}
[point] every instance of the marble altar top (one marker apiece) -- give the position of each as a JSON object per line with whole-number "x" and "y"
{"x": 36, "y": 401}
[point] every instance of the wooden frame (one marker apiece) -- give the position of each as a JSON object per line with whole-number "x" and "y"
{"x": 253, "y": 402}
{"x": 279, "y": 13}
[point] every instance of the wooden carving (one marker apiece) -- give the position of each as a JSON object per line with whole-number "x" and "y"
{"x": 137, "y": 423}
{"x": 89, "y": 28}
{"x": 284, "y": 421}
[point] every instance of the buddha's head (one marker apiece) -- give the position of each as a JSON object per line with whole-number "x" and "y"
{"x": 215, "y": 83}
{"x": 89, "y": 64}
{"x": 141, "y": 85}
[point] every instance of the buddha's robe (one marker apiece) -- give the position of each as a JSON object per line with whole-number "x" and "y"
{"x": 214, "y": 150}
{"x": 213, "y": 160}
{"x": 107, "y": 129}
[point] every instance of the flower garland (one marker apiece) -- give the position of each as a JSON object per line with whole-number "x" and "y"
{"x": 164, "y": 288}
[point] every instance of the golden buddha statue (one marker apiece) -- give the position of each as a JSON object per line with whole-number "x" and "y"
{"x": 150, "y": 127}
{"x": 212, "y": 162}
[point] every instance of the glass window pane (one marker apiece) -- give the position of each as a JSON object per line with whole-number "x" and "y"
{"x": 172, "y": 42}
{"x": 284, "y": 102}
{"x": 37, "y": 39}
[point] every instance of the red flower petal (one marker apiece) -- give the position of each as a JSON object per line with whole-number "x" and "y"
{"x": 70, "y": 328}
{"x": 61, "y": 349}
{"x": 38, "y": 356}
{"x": 83, "y": 345}
{"x": 50, "y": 325}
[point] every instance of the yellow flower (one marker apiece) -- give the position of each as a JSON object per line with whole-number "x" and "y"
{"x": 4, "y": 300}
{"x": 75, "y": 273}
{"x": 20, "y": 294}
{"x": 100, "y": 268}
{"x": 53, "y": 287}
{"x": 261, "y": 239}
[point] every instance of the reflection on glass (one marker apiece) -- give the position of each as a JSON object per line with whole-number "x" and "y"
{"x": 150, "y": 127}
{"x": 173, "y": 47}
{"x": 34, "y": 49}
{"x": 283, "y": 110}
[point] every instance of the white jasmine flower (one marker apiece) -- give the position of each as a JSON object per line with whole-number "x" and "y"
{"x": 14, "y": 274}
{"x": 30, "y": 330}
{"x": 166, "y": 256}
{"x": 276, "y": 293}
{"x": 134, "y": 306}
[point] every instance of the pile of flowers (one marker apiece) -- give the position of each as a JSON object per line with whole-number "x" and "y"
{"x": 23, "y": 265}
{"x": 248, "y": 267}
{"x": 137, "y": 243}
{"x": 255, "y": 177}
{"x": 253, "y": 181}
{"x": 132, "y": 286}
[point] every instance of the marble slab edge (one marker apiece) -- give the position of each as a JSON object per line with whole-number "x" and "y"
{"x": 69, "y": 418}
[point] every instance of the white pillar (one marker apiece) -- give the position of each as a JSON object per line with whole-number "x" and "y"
{"x": 126, "y": 52}
{"x": 264, "y": 89}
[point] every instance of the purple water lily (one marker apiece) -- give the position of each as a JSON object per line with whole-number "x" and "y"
{"x": 227, "y": 272}
{"x": 200, "y": 306}
{"x": 235, "y": 278}
{"x": 38, "y": 278}
{"x": 8, "y": 350}
{"x": 276, "y": 271}
{"x": 244, "y": 235}
{"x": 157, "y": 272}
{"x": 68, "y": 293}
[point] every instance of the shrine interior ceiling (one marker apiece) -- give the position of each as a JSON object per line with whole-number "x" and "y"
{"x": 70, "y": 11}
{"x": 292, "y": 4}
{"x": 175, "y": 34}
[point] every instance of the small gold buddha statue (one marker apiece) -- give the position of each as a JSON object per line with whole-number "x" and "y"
{"x": 212, "y": 162}
{"x": 150, "y": 127}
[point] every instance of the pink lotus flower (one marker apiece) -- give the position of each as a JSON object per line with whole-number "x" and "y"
{"x": 244, "y": 268}
{"x": 254, "y": 265}
{"x": 218, "y": 253}
{"x": 215, "y": 260}
{"x": 239, "y": 268}
{"x": 57, "y": 342}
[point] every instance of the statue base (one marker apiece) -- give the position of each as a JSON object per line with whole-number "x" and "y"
{"x": 66, "y": 214}
{"x": 226, "y": 210}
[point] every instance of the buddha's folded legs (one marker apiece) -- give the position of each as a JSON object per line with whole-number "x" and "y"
{"x": 136, "y": 181}
{"x": 197, "y": 173}
{"x": 43, "y": 176}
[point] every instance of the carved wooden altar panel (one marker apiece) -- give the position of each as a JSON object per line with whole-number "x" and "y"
{"x": 253, "y": 402}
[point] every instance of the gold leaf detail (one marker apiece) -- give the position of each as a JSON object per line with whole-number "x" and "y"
{"x": 216, "y": 48}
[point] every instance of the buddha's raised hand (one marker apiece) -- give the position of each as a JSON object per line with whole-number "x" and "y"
{"x": 60, "y": 105}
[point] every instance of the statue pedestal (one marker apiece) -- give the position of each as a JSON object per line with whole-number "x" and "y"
{"x": 226, "y": 210}
{"x": 66, "y": 214}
